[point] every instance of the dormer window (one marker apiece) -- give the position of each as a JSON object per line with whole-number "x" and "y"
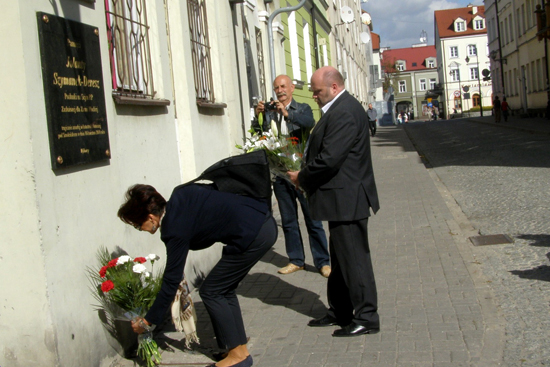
{"x": 479, "y": 23}
{"x": 460, "y": 25}
{"x": 400, "y": 65}
{"x": 430, "y": 63}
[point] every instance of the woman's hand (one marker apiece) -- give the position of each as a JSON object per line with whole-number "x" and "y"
{"x": 140, "y": 325}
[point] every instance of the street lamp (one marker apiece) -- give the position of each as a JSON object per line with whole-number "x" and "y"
{"x": 478, "y": 80}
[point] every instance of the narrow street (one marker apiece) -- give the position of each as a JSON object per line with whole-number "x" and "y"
{"x": 500, "y": 179}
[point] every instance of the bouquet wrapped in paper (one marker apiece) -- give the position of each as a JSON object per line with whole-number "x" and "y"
{"x": 284, "y": 153}
{"x": 125, "y": 288}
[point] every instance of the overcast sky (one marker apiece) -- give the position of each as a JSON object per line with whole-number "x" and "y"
{"x": 400, "y": 22}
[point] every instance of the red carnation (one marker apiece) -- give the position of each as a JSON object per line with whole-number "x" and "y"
{"x": 103, "y": 272}
{"x": 107, "y": 285}
{"x": 140, "y": 260}
{"x": 112, "y": 263}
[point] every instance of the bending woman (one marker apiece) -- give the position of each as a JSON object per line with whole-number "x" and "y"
{"x": 195, "y": 217}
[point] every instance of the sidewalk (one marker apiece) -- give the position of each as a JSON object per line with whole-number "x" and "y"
{"x": 436, "y": 308}
{"x": 532, "y": 124}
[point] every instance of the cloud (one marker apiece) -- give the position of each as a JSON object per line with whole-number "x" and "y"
{"x": 400, "y": 23}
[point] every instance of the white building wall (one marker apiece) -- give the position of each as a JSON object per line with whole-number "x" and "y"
{"x": 444, "y": 57}
{"x": 351, "y": 55}
{"x": 54, "y": 221}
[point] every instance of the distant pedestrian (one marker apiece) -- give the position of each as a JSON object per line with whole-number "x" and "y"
{"x": 496, "y": 109}
{"x": 406, "y": 117}
{"x": 504, "y": 108}
{"x": 399, "y": 118}
{"x": 434, "y": 114}
{"x": 372, "y": 116}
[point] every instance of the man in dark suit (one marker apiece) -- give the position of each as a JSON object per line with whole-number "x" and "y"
{"x": 339, "y": 180}
{"x": 293, "y": 119}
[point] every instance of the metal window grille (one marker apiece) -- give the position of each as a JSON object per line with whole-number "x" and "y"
{"x": 261, "y": 67}
{"x": 129, "y": 50}
{"x": 200, "y": 51}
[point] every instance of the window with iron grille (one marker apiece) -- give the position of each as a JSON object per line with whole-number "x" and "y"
{"x": 200, "y": 54}
{"x": 129, "y": 52}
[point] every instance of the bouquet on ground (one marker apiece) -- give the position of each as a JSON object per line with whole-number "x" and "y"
{"x": 284, "y": 153}
{"x": 125, "y": 287}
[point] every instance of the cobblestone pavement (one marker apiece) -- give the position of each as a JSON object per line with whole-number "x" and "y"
{"x": 436, "y": 307}
{"x": 500, "y": 179}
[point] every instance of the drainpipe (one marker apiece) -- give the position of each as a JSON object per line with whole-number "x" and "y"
{"x": 500, "y": 53}
{"x": 234, "y": 26}
{"x": 270, "y": 35}
{"x": 315, "y": 43}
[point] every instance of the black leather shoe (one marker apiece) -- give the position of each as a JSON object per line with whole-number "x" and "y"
{"x": 323, "y": 321}
{"x": 354, "y": 329}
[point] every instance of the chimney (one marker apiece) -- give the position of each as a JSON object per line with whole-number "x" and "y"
{"x": 474, "y": 10}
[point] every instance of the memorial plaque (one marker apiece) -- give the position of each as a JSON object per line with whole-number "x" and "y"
{"x": 73, "y": 91}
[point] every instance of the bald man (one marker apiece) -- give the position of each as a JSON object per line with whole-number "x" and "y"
{"x": 339, "y": 181}
{"x": 296, "y": 120}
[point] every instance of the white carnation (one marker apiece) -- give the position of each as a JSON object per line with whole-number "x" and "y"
{"x": 139, "y": 268}
{"x": 123, "y": 259}
{"x": 152, "y": 257}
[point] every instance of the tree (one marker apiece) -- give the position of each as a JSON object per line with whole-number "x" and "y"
{"x": 391, "y": 74}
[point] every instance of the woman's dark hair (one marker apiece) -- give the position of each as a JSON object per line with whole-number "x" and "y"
{"x": 141, "y": 200}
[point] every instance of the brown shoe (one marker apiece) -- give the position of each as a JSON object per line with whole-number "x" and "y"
{"x": 290, "y": 268}
{"x": 325, "y": 271}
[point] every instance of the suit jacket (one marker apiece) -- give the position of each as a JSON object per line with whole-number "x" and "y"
{"x": 338, "y": 175}
{"x": 196, "y": 217}
{"x": 299, "y": 121}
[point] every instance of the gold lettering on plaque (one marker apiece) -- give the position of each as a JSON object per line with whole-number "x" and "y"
{"x": 75, "y": 64}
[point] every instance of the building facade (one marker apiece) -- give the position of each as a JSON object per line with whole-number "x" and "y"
{"x": 519, "y": 62}
{"x": 462, "y": 55}
{"x": 415, "y": 74}
{"x": 351, "y": 47}
{"x": 129, "y": 91}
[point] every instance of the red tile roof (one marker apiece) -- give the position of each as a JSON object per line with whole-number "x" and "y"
{"x": 375, "y": 41}
{"x": 444, "y": 21}
{"x": 411, "y": 55}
